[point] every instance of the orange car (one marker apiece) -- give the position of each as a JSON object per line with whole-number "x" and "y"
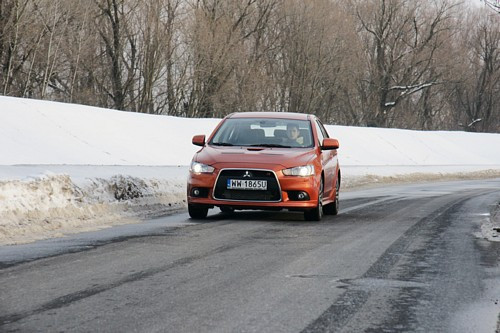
{"x": 265, "y": 160}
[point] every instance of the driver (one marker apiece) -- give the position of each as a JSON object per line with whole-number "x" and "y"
{"x": 293, "y": 135}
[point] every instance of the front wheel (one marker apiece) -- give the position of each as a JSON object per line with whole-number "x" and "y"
{"x": 316, "y": 213}
{"x": 197, "y": 211}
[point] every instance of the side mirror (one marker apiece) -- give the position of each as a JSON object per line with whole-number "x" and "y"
{"x": 199, "y": 140}
{"x": 330, "y": 144}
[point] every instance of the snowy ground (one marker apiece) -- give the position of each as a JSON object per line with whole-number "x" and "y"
{"x": 66, "y": 168}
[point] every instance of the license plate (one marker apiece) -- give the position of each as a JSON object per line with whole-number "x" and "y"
{"x": 240, "y": 184}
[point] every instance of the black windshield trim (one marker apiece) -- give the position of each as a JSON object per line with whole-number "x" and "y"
{"x": 225, "y": 144}
{"x": 271, "y": 145}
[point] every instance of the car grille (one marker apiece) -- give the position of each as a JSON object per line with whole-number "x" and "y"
{"x": 272, "y": 194}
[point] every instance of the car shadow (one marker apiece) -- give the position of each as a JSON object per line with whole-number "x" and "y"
{"x": 264, "y": 216}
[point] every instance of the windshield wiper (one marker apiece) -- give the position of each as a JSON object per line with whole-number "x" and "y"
{"x": 222, "y": 144}
{"x": 271, "y": 145}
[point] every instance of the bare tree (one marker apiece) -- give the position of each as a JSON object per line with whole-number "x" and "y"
{"x": 493, "y": 4}
{"x": 53, "y": 21}
{"x": 158, "y": 48}
{"x": 401, "y": 38}
{"x": 219, "y": 37}
{"x": 477, "y": 94}
{"x": 13, "y": 27}
{"x": 356, "y": 62}
{"x": 121, "y": 49}
{"x": 307, "y": 63}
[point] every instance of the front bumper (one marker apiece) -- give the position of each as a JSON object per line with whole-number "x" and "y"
{"x": 289, "y": 187}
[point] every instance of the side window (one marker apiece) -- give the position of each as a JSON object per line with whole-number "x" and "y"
{"x": 321, "y": 136}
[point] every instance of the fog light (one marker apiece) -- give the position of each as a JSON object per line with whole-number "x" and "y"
{"x": 298, "y": 195}
{"x": 199, "y": 192}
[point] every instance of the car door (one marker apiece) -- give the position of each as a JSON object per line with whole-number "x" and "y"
{"x": 328, "y": 160}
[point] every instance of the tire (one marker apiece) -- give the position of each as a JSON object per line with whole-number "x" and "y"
{"x": 197, "y": 211}
{"x": 333, "y": 208}
{"x": 316, "y": 213}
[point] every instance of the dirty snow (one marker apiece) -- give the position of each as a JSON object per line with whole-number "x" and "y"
{"x": 66, "y": 168}
{"x": 490, "y": 226}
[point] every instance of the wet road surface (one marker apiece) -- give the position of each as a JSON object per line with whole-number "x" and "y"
{"x": 401, "y": 258}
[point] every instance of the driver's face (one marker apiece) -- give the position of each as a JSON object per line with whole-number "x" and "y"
{"x": 292, "y": 132}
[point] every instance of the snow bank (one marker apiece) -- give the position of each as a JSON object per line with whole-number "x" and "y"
{"x": 42, "y": 132}
{"x": 364, "y": 146}
{"x": 48, "y": 205}
{"x": 66, "y": 168}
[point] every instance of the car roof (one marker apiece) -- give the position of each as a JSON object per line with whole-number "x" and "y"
{"x": 278, "y": 115}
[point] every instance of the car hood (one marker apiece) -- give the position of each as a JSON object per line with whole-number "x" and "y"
{"x": 286, "y": 157}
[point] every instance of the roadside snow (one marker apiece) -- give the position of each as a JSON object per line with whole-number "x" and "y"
{"x": 66, "y": 168}
{"x": 490, "y": 228}
{"x": 85, "y": 198}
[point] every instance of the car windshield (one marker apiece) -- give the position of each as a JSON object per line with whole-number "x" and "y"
{"x": 264, "y": 132}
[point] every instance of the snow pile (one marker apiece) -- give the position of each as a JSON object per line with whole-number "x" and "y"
{"x": 66, "y": 167}
{"x": 47, "y": 205}
{"x": 490, "y": 228}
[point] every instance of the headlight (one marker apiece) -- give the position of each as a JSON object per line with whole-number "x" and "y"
{"x": 301, "y": 171}
{"x": 200, "y": 168}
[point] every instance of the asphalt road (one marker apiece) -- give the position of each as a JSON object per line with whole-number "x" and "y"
{"x": 396, "y": 259}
